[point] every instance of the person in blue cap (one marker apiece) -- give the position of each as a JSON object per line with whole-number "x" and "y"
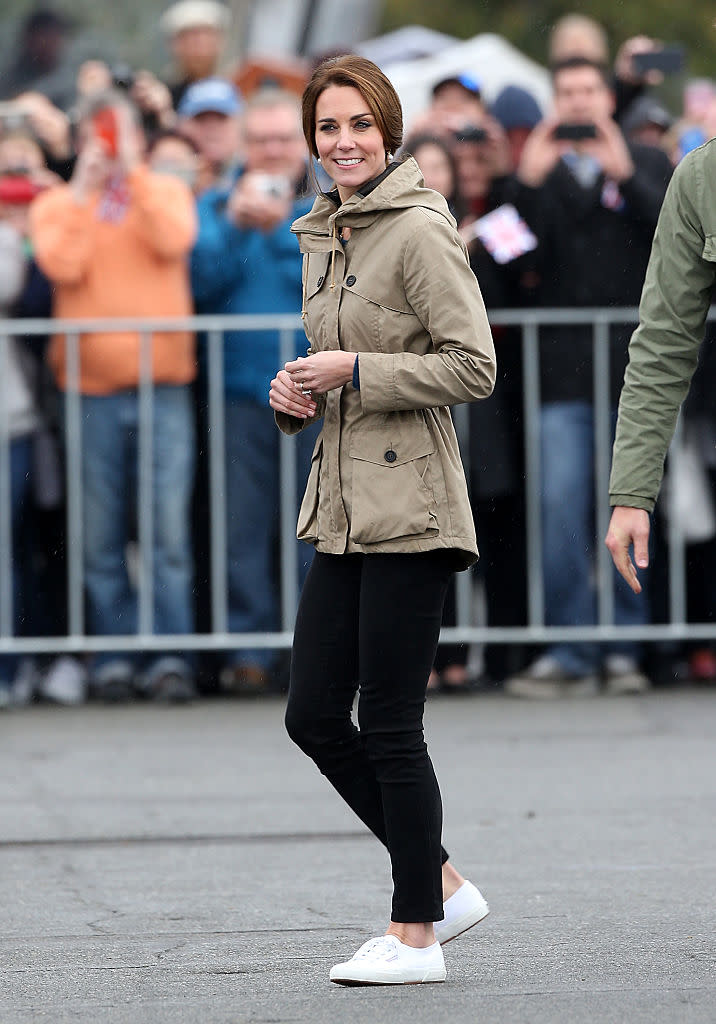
{"x": 209, "y": 116}
{"x": 518, "y": 112}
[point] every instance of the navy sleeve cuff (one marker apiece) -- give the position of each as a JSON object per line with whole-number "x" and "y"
{"x": 356, "y": 375}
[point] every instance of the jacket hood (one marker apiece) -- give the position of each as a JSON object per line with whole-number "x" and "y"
{"x": 400, "y": 187}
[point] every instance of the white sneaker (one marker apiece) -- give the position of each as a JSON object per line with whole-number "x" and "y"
{"x": 464, "y": 909}
{"x": 388, "y": 961}
{"x": 623, "y": 676}
{"x": 545, "y": 679}
{"x": 65, "y": 681}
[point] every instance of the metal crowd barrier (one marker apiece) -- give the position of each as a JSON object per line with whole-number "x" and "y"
{"x": 465, "y": 631}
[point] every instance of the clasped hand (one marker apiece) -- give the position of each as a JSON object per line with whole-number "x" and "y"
{"x": 294, "y": 388}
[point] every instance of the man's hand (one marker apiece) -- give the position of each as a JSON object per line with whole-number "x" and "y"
{"x": 541, "y": 154}
{"x": 629, "y": 526}
{"x": 153, "y": 97}
{"x": 611, "y": 150}
{"x": 251, "y": 208}
{"x": 624, "y": 63}
{"x": 50, "y": 124}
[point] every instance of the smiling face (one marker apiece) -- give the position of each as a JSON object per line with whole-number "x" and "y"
{"x": 348, "y": 140}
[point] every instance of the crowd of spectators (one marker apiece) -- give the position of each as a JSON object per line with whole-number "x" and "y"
{"x": 124, "y": 195}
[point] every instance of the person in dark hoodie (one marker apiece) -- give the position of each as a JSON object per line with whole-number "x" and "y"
{"x": 593, "y": 205}
{"x": 398, "y": 332}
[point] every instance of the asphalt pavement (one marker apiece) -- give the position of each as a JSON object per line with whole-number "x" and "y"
{"x": 189, "y": 865}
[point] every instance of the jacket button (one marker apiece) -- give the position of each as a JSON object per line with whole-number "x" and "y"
{"x": 350, "y": 280}
{"x": 390, "y": 456}
{"x": 319, "y": 282}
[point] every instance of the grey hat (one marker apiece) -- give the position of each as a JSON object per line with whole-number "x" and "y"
{"x": 193, "y": 14}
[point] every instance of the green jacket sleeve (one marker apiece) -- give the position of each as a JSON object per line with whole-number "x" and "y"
{"x": 664, "y": 348}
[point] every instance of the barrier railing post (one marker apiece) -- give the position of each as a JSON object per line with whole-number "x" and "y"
{"x": 145, "y": 513}
{"x": 463, "y": 580}
{"x": 6, "y": 552}
{"x": 602, "y": 462}
{"x": 75, "y": 510}
{"x": 533, "y": 460}
{"x": 217, "y": 481}
{"x": 677, "y": 545}
{"x": 288, "y": 483}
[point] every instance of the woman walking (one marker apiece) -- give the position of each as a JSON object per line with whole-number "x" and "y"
{"x": 397, "y": 332}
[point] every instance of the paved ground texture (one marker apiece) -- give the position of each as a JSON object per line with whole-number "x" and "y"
{"x": 188, "y": 865}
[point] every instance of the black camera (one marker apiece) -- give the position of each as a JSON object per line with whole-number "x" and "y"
{"x": 122, "y": 77}
{"x": 470, "y": 133}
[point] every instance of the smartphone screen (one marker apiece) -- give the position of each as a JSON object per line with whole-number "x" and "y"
{"x": 105, "y": 127}
{"x": 669, "y": 61}
{"x": 575, "y": 132}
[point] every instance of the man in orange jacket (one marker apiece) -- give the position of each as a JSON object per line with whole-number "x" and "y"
{"x": 114, "y": 243}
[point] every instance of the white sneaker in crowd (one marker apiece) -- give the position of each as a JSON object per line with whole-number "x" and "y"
{"x": 464, "y": 909}
{"x": 545, "y": 679}
{"x": 623, "y": 675}
{"x": 388, "y": 961}
{"x": 65, "y": 682}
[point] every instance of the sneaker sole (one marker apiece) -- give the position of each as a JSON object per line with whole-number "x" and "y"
{"x": 431, "y": 977}
{"x": 464, "y": 924}
{"x": 539, "y": 690}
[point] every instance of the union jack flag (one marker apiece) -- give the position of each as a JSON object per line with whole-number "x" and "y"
{"x": 504, "y": 234}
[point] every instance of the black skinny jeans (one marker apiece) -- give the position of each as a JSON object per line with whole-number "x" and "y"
{"x": 371, "y": 623}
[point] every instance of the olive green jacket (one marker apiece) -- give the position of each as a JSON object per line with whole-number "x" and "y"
{"x": 664, "y": 348}
{"x": 386, "y": 474}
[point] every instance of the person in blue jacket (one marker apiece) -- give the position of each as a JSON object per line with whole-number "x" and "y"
{"x": 247, "y": 261}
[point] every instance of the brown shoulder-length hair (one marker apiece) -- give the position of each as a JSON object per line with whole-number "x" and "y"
{"x": 377, "y": 90}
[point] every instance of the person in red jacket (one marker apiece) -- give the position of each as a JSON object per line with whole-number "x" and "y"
{"x": 114, "y": 243}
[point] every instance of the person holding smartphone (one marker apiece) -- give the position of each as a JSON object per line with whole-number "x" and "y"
{"x": 114, "y": 243}
{"x": 592, "y": 200}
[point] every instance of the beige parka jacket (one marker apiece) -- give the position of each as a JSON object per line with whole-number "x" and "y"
{"x": 386, "y": 474}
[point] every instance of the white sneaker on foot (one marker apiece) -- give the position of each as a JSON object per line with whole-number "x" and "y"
{"x": 623, "y": 675}
{"x": 465, "y": 908}
{"x": 545, "y": 679}
{"x": 65, "y": 682}
{"x": 388, "y": 961}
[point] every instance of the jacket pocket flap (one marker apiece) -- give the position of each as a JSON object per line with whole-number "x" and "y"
{"x": 391, "y": 454}
{"x": 709, "y": 252}
{"x": 316, "y": 273}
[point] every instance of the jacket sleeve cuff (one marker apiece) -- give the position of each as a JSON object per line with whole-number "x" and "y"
{"x": 632, "y": 501}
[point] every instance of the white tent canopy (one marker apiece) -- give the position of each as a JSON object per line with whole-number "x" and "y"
{"x": 487, "y": 57}
{"x": 409, "y": 43}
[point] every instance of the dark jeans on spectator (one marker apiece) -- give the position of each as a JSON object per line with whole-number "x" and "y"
{"x": 253, "y": 502}
{"x": 20, "y": 453}
{"x": 370, "y": 624}
{"x": 110, "y": 437}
